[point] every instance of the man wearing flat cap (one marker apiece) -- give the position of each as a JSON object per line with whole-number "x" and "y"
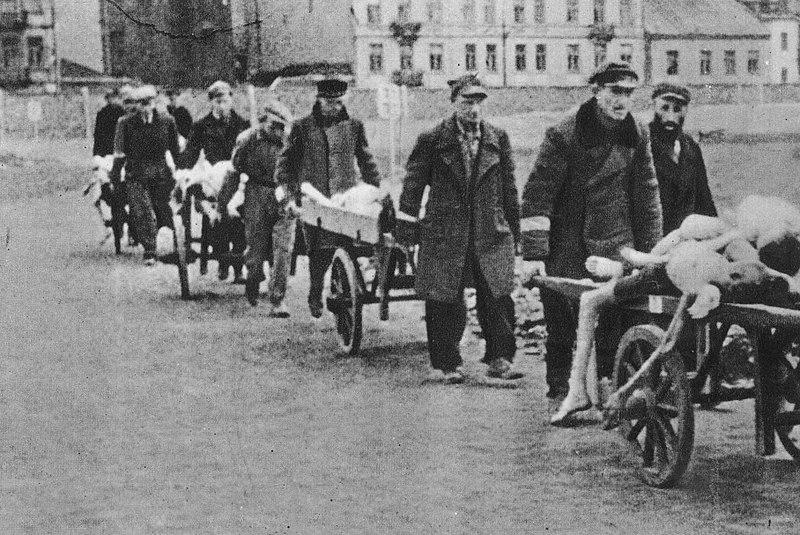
{"x": 183, "y": 119}
{"x": 269, "y": 226}
{"x": 215, "y": 135}
{"x": 680, "y": 169}
{"x": 141, "y": 142}
{"x": 467, "y": 236}
{"x": 324, "y": 149}
{"x": 592, "y": 191}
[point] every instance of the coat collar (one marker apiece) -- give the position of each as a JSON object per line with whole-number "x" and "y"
{"x": 590, "y": 131}
{"x": 449, "y": 147}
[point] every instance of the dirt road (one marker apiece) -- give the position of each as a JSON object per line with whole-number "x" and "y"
{"x": 124, "y": 409}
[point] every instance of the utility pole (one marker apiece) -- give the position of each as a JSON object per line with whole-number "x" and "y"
{"x": 504, "y": 41}
{"x": 56, "y": 55}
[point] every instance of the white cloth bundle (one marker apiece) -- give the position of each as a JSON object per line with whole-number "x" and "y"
{"x": 362, "y": 199}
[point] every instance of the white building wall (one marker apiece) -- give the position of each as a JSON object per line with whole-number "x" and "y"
{"x": 779, "y": 59}
{"x": 689, "y": 60}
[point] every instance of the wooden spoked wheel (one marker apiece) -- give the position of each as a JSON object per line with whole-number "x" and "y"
{"x": 345, "y": 301}
{"x": 787, "y": 394}
{"x": 181, "y": 245}
{"x": 657, "y": 417}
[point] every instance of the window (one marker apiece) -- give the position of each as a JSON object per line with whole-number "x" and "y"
{"x": 541, "y": 57}
{"x": 375, "y": 57}
{"x": 468, "y": 10}
{"x": 626, "y": 13}
{"x": 784, "y": 41}
{"x": 488, "y": 12}
{"x": 672, "y": 62}
{"x": 600, "y": 50}
{"x": 35, "y": 52}
{"x": 470, "y": 58}
{"x": 572, "y": 10}
{"x": 730, "y": 62}
{"x": 34, "y": 7}
{"x": 11, "y": 53}
{"x": 435, "y": 11}
{"x": 404, "y": 11}
{"x": 406, "y": 57}
{"x": 626, "y": 53}
{"x": 538, "y": 11}
{"x": 519, "y": 58}
{"x": 784, "y": 75}
{"x": 599, "y": 11}
{"x": 705, "y": 62}
{"x": 573, "y": 58}
{"x": 437, "y": 51}
{"x": 491, "y": 58}
{"x": 374, "y": 14}
{"x": 752, "y": 61}
{"x": 519, "y": 11}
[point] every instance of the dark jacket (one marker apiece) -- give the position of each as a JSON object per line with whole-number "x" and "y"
{"x": 255, "y": 155}
{"x": 684, "y": 185}
{"x": 144, "y": 146}
{"x": 325, "y": 155}
{"x": 183, "y": 119}
{"x": 105, "y": 126}
{"x": 599, "y": 191}
{"x": 485, "y": 202}
{"x": 214, "y": 136}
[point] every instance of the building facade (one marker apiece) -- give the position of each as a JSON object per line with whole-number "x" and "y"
{"x": 509, "y": 42}
{"x": 27, "y": 43}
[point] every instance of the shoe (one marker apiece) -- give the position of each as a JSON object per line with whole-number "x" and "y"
{"x": 315, "y": 309}
{"x": 251, "y": 288}
{"x": 502, "y": 369}
{"x": 222, "y": 273}
{"x": 279, "y": 311}
{"x": 149, "y": 262}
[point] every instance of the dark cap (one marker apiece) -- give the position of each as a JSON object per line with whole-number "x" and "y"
{"x": 219, "y": 88}
{"x": 331, "y": 88}
{"x": 672, "y": 91}
{"x": 170, "y": 91}
{"x": 468, "y": 85}
{"x": 615, "y": 74}
{"x": 111, "y": 93}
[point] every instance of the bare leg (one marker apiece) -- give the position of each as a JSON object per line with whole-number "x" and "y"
{"x": 591, "y": 303}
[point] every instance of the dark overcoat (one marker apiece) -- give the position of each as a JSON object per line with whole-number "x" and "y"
{"x": 683, "y": 184}
{"x": 486, "y": 201}
{"x": 599, "y": 191}
{"x": 105, "y": 125}
{"x": 216, "y": 137}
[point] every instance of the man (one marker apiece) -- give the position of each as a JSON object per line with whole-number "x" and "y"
{"x": 255, "y": 155}
{"x": 592, "y": 190}
{"x": 141, "y": 142}
{"x": 215, "y": 134}
{"x": 183, "y": 119}
{"x": 680, "y": 169}
{"x": 468, "y": 233}
{"x": 105, "y": 124}
{"x": 323, "y": 149}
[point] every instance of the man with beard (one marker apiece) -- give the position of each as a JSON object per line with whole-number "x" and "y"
{"x": 592, "y": 191}
{"x": 680, "y": 170}
{"x": 215, "y": 134}
{"x": 323, "y": 149}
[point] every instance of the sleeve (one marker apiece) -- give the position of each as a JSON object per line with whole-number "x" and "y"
{"x": 286, "y": 168}
{"x": 418, "y": 171}
{"x": 226, "y": 192}
{"x": 240, "y": 153}
{"x": 98, "y": 133}
{"x": 705, "y": 202}
{"x": 646, "y": 215}
{"x": 119, "y": 138}
{"x": 183, "y": 120}
{"x": 366, "y": 162}
{"x": 510, "y": 198}
{"x": 193, "y": 146}
{"x": 172, "y": 138}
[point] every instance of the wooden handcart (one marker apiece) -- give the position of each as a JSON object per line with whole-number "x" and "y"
{"x": 369, "y": 240}
{"x": 656, "y": 384}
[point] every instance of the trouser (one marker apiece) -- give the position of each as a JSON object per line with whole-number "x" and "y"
{"x": 260, "y": 213}
{"x": 229, "y": 242}
{"x": 318, "y": 261}
{"x": 561, "y": 317}
{"x": 445, "y": 323}
{"x": 150, "y": 210}
{"x": 282, "y": 244}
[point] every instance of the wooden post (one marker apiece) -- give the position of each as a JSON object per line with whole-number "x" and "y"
{"x": 251, "y": 99}
{"x": 87, "y": 111}
{"x": 2, "y": 116}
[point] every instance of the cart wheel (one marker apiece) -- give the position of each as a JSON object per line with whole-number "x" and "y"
{"x": 345, "y": 302}
{"x": 787, "y": 394}
{"x": 181, "y": 245}
{"x": 657, "y": 420}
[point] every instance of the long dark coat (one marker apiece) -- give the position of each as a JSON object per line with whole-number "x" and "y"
{"x": 105, "y": 125}
{"x": 599, "y": 191}
{"x": 487, "y": 200}
{"x": 215, "y": 137}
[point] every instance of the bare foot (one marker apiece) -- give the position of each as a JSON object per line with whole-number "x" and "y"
{"x": 572, "y": 403}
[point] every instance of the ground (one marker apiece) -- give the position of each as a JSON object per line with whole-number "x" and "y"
{"x": 125, "y": 409}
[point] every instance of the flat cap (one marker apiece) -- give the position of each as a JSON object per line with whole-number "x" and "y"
{"x": 468, "y": 85}
{"x": 331, "y": 88}
{"x": 673, "y": 91}
{"x": 275, "y": 110}
{"x": 613, "y": 73}
{"x": 219, "y": 88}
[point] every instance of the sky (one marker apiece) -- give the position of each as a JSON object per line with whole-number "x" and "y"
{"x": 78, "y": 32}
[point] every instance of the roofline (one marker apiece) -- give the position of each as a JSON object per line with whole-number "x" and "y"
{"x": 742, "y": 37}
